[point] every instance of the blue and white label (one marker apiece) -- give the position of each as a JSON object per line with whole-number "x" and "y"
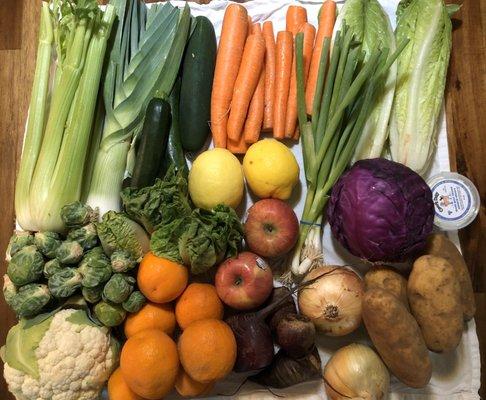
{"x": 452, "y": 200}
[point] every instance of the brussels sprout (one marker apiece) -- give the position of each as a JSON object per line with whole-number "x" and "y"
{"x": 26, "y": 266}
{"x": 121, "y": 261}
{"x": 118, "y": 288}
{"x": 30, "y": 299}
{"x": 95, "y": 269}
{"x": 65, "y": 282}
{"x": 51, "y": 267}
{"x": 109, "y": 314}
{"x": 19, "y": 240}
{"x": 86, "y": 236}
{"x": 134, "y": 302}
{"x": 92, "y": 295}
{"x": 75, "y": 215}
{"x": 69, "y": 252}
{"x": 47, "y": 243}
{"x": 9, "y": 290}
{"x": 95, "y": 252}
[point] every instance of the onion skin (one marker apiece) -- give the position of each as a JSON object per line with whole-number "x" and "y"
{"x": 296, "y": 335}
{"x": 355, "y": 371}
{"x": 333, "y": 302}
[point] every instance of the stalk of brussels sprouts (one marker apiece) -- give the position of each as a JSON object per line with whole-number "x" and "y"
{"x": 77, "y": 214}
{"x": 121, "y": 261}
{"x": 86, "y": 236}
{"x": 118, "y": 288}
{"x": 64, "y": 283}
{"x": 51, "y": 267}
{"x": 95, "y": 269}
{"x": 47, "y": 243}
{"x": 92, "y": 295}
{"x": 19, "y": 240}
{"x": 26, "y": 266}
{"x": 134, "y": 302}
{"x": 30, "y": 299}
{"x": 109, "y": 314}
{"x": 69, "y": 252}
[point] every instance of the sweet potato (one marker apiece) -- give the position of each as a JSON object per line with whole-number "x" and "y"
{"x": 434, "y": 295}
{"x": 397, "y": 337}
{"x": 388, "y": 279}
{"x": 439, "y": 245}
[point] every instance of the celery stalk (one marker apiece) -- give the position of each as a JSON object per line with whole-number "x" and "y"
{"x": 35, "y": 121}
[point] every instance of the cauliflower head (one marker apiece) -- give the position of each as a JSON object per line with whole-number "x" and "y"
{"x": 65, "y": 357}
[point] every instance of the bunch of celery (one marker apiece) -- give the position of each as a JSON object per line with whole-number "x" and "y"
{"x": 143, "y": 63}
{"x": 344, "y": 97}
{"x": 75, "y": 34}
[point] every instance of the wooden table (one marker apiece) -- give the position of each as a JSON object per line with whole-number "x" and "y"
{"x": 466, "y": 117}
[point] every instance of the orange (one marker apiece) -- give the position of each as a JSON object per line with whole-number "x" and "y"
{"x": 199, "y": 301}
{"x": 118, "y": 388}
{"x": 151, "y": 316}
{"x": 161, "y": 280}
{"x": 149, "y": 363}
{"x": 207, "y": 350}
{"x": 188, "y": 387}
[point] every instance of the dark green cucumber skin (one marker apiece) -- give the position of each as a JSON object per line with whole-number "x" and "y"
{"x": 197, "y": 83}
{"x": 174, "y": 153}
{"x": 153, "y": 142}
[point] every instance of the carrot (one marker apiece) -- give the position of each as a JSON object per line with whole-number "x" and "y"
{"x": 256, "y": 28}
{"x": 296, "y": 133}
{"x": 250, "y": 25}
{"x": 283, "y": 69}
{"x": 291, "y": 116}
{"x": 269, "y": 74}
{"x": 296, "y": 17}
{"x": 237, "y": 147}
{"x": 254, "y": 119}
{"x": 246, "y": 83}
{"x": 327, "y": 18}
{"x": 230, "y": 52}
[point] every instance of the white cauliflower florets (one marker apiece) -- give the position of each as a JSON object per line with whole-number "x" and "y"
{"x": 74, "y": 363}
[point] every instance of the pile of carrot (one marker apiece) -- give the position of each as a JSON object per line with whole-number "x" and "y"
{"x": 255, "y": 85}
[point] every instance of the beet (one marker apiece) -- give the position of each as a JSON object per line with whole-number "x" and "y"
{"x": 296, "y": 335}
{"x": 253, "y": 342}
{"x": 286, "y": 371}
{"x": 286, "y": 307}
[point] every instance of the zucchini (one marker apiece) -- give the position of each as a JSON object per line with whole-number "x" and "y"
{"x": 197, "y": 82}
{"x": 153, "y": 142}
{"x": 174, "y": 153}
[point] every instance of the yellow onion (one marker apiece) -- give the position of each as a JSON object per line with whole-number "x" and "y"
{"x": 356, "y": 372}
{"x": 333, "y": 301}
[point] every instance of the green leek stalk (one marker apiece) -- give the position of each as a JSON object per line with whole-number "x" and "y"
{"x": 60, "y": 119}
{"x": 348, "y": 94}
{"x": 35, "y": 121}
{"x": 144, "y": 62}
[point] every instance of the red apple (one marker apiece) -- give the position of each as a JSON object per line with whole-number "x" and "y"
{"x": 272, "y": 228}
{"x": 244, "y": 282}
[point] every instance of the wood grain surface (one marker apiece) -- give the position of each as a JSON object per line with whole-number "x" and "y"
{"x": 466, "y": 118}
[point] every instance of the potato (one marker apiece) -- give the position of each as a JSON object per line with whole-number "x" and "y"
{"x": 434, "y": 295}
{"x": 388, "y": 279}
{"x": 397, "y": 337}
{"x": 439, "y": 245}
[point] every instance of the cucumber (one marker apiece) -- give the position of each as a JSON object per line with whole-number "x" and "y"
{"x": 197, "y": 82}
{"x": 153, "y": 142}
{"x": 174, "y": 153}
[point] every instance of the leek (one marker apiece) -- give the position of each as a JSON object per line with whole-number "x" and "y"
{"x": 60, "y": 119}
{"x": 143, "y": 63}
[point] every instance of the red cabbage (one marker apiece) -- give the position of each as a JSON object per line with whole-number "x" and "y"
{"x": 381, "y": 210}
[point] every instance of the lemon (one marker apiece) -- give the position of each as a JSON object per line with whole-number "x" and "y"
{"x": 271, "y": 169}
{"x": 216, "y": 177}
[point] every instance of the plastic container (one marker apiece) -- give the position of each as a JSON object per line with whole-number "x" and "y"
{"x": 456, "y": 200}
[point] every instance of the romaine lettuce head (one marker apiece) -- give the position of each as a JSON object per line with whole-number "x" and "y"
{"x": 371, "y": 26}
{"x": 421, "y": 78}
